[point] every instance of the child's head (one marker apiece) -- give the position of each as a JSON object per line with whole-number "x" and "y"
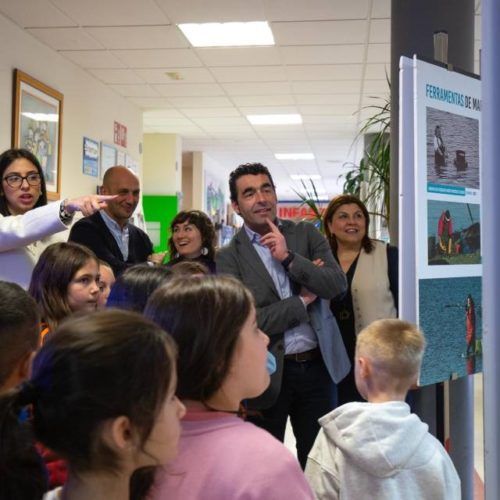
{"x": 221, "y": 348}
{"x": 106, "y": 281}
{"x": 65, "y": 280}
{"x": 190, "y": 268}
{"x": 388, "y": 356}
{"x": 19, "y": 334}
{"x": 135, "y": 285}
{"x": 102, "y": 392}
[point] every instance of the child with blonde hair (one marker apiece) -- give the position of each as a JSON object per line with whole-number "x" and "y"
{"x": 379, "y": 449}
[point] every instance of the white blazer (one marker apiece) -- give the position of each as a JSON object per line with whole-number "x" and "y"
{"x": 24, "y": 237}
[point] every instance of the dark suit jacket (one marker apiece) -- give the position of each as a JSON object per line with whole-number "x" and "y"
{"x": 275, "y": 315}
{"x": 93, "y": 233}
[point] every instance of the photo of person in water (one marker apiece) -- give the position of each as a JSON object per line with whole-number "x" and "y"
{"x": 452, "y": 142}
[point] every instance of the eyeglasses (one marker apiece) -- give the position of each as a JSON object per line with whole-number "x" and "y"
{"x": 16, "y": 181}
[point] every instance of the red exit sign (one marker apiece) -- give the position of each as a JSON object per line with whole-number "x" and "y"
{"x": 120, "y": 134}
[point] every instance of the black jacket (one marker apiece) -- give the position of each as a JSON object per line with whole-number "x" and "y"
{"x": 93, "y": 233}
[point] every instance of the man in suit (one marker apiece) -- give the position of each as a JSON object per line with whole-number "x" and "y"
{"x": 108, "y": 233}
{"x": 292, "y": 274}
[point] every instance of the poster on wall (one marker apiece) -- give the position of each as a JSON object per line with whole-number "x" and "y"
{"x": 120, "y": 157}
{"x": 447, "y": 128}
{"x": 90, "y": 164}
{"x": 108, "y": 157}
{"x": 215, "y": 203}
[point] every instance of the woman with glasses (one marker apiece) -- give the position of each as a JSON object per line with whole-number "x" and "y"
{"x": 27, "y": 222}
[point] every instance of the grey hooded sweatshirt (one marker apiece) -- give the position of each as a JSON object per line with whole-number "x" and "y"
{"x": 379, "y": 451}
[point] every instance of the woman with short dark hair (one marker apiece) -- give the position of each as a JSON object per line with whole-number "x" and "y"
{"x": 192, "y": 239}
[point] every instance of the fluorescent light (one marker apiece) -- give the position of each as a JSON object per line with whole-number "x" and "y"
{"x": 289, "y": 119}
{"x": 305, "y": 177}
{"x": 228, "y": 34}
{"x": 294, "y": 156}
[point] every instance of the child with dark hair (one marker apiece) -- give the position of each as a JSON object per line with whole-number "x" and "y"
{"x": 135, "y": 285}
{"x": 65, "y": 280}
{"x": 19, "y": 334}
{"x": 222, "y": 361}
{"x": 102, "y": 393}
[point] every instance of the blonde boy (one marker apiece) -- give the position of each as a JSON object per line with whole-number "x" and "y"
{"x": 378, "y": 449}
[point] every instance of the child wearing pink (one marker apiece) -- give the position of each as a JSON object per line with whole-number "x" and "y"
{"x": 255, "y": 465}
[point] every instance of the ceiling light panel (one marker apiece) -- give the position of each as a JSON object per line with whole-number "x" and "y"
{"x": 257, "y": 33}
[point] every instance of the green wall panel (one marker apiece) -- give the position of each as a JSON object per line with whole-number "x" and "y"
{"x": 159, "y": 212}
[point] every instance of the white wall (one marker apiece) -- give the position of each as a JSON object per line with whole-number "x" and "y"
{"x": 89, "y": 108}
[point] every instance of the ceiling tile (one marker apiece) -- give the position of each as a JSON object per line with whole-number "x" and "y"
{"x": 150, "y": 102}
{"x": 197, "y": 11}
{"x": 239, "y": 56}
{"x": 139, "y": 37}
{"x": 324, "y": 72}
{"x": 189, "y": 89}
{"x": 327, "y": 98}
{"x": 186, "y": 75}
{"x": 380, "y": 31}
{"x": 250, "y": 74}
{"x": 158, "y": 120}
{"x": 200, "y": 102}
{"x": 269, "y": 110}
{"x": 331, "y": 54}
{"x": 134, "y": 90}
{"x": 379, "y": 53}
{"x": 381, "y": 8}
{"x": 338, "y": 109}
{"x": 93, "y": 58}
{"x": 263, "y": 100}
{"x": 158, "y": 58}
{"x": 341, "y": 121}
{"x": 35, "y": 14}
{"x": 376, "y": 87}
{"x": 286, "y": 10}
{"x": 112, "y": 12}
{"x": 377, "y": 71}
{"x": 209, "y": 112}
{"x": 325, "y": 87}
{"x": 162, "y": 113}
{"x": 116, "y": 76}
{"x": 65, "y": 38}
{"x": 223, "y": 122}
{"x": 256, "y": 88}
{"x": 320, "y": 32}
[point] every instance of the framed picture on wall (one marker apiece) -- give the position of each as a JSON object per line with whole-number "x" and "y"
{"x": 36, "y": 125}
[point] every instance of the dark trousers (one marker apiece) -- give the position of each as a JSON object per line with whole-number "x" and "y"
{"x": 307, "y": 393}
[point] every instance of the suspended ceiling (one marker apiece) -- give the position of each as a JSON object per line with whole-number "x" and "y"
{"x": 330, "y": 61}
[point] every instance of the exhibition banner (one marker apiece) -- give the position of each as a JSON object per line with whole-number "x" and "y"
{"x": 447, "y": 219}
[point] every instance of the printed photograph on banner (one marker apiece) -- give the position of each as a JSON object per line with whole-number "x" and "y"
{"x": 452, "y": 149}
{"x": 450, "y": 315}
{"x": 453, "y": 233}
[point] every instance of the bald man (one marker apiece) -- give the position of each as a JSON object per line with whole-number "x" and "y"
{"x": 108, "y": 233}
